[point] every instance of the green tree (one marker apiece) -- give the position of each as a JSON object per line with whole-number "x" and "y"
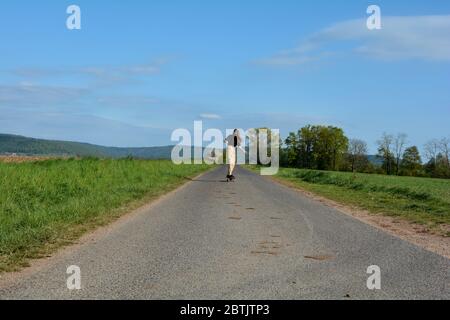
{"x": 437, "y": 167}
{"x": 411, "y": 164}
{"x": 338, "y": 146}
{"x": 385, "y": 147}
{"x": 317, "y": 147}
{"x": 292, "y": 150}
{"x": 306, "y": 138}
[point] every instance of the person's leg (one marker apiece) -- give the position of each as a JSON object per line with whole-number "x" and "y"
{"x": 231, "y": 169}
{"x": 231, "y": 152}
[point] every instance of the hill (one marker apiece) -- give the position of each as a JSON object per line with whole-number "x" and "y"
{"x": 375, "y": 160}
{"x": 10, "y": 144}
{"x": 20, "y": 145}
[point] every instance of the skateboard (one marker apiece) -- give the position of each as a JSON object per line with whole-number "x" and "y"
{"x": 231, "y": 178}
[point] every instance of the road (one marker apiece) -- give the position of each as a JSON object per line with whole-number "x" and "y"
{"x": 249, "y": 239}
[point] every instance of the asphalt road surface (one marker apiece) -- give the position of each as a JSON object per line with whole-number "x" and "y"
{"x": 248, "y": 239}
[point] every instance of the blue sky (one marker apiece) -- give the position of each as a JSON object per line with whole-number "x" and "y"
{"x": 137, "y": 70}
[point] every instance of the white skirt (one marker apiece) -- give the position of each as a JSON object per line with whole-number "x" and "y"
{"x": 231, "y": 155}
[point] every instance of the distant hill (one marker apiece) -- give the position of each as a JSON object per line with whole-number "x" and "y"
{"x": 20, "y": 145}
{"x": 375, "y": 160}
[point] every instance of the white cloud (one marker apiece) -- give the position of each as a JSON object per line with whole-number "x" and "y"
{"x": 419, "y": 37}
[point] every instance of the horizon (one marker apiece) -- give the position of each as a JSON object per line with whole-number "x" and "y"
{"x": 134, "y": 73}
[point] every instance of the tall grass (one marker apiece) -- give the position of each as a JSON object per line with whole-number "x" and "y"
{"x": 45, "y": 204}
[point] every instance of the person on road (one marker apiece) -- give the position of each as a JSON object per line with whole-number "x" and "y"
{"x": 233, "y": 142}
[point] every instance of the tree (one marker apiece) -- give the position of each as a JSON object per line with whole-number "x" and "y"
{"x": 385, "y": 145}
{"x": 292, "y": 150}
{"x": 307, "y": 139}
{"x": 399, "y": 145}
{"x": 357, "y": 154}
{"x": 438, "y": 154}
{"x": 338, "y": 146}
{"x": 316, "y": 147}
{"x": 431, "y": 150}
{"x": 329, "y": 147}
{"x": 411, "y": 164}
{"x": 444, "y": 147}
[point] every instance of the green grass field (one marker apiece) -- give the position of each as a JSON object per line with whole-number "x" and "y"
{"x": 44, "y": 205}
{"x": 420, "y": 200}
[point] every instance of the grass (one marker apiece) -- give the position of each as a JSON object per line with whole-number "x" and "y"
{"x": 424, "y": 201}
{"x": 46, "y": 204}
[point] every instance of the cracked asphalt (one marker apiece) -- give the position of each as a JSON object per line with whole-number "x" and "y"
{"x": 248, "y": 239}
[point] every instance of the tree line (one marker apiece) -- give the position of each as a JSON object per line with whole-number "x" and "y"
{"x": 328, "y": 148}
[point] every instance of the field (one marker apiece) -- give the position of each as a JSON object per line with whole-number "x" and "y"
{"x": 46, "y": 204}
{"x": 420, "y": 200}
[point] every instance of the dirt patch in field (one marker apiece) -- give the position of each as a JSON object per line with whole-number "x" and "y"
{"x": 411, "y": 232}
{"x": 20, "y": 159}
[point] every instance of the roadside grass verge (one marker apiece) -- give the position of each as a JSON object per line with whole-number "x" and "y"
{"x": 423, "y": 201}
{"x": 47, "y": 204}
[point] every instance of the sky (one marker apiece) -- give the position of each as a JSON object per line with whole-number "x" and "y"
{"x": 138, "y": 70}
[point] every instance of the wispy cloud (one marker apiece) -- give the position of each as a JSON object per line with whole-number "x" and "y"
{"x": 35, "y": 87}
{"x": 29, "y": 95}
{"x": 210, "y": 116}
{"x": 103, "y": 74}
{"x": 127, "y": 101}
{"x": 401, "y": 38}
{"x": 122, "y": 72}
{"x": 80, "y": 127}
